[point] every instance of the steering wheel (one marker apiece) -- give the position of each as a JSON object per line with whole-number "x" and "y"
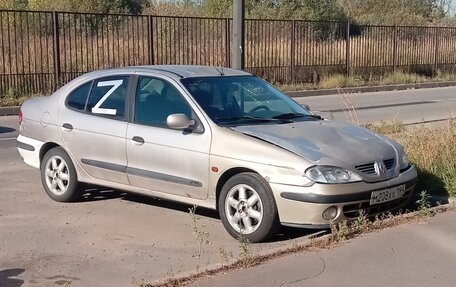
{"x": 262, "y": 107}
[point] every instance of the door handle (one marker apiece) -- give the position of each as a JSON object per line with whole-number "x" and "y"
{"x": 138, "y": 140}
{"x": 67, "y": 126}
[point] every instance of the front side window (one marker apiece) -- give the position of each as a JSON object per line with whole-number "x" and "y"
{"x": 237, "y": 100}
{"x": 108, "y": 96}
{"x": 156, "y": 99}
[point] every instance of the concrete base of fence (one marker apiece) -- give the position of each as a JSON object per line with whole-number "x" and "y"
{"x": 385, "y": 88}
{"x": 9, "y": 111}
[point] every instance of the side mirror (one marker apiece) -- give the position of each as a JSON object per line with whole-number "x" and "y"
{"x": 179, "y": 121}
{"x": 305, "y": 107}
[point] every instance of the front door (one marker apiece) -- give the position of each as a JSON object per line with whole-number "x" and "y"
{"x": 162, "y": 159}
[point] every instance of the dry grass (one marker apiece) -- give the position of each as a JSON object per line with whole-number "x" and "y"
{"x": 13, "y": 98}
{"x": 387, "y": 127}
{"x": 357, "y": 80}
{"x": 433, "y": 151}
{"x": 400, "y": 77}
{"x": 341, "y": 81}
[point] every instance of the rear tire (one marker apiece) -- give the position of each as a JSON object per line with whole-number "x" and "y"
{"x": 247, "y": 207}
{"x": 59, "y": 177}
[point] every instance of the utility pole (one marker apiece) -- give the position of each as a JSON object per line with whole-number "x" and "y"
{"x": 237, "y": 61}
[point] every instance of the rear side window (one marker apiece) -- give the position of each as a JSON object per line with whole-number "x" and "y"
{"x": 108, "y": 96}
{"x": 78, "y": 98}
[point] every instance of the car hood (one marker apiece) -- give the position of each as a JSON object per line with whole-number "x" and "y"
{"x": 326, "y": 142}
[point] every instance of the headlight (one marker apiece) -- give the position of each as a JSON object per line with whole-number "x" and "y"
{"x": 331, "y": 174}
{"x": 404, "y": 162}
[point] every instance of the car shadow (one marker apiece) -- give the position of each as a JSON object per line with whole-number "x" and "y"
{"x": 289, "y": 233}
{"x": 7, "y": 277}
{"x": 96, "y": 193}
{"x": 182, "y": 207}
{"x": 4, "y": 130}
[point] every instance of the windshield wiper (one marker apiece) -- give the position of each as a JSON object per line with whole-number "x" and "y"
{"x": 245, "y": 117}
{"x": 316, "y": 117}
{"x": 289, "y": 116}
{"x": 296, "y": 115}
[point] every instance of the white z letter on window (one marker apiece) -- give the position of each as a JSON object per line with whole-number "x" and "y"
{"x": 96, "y": 109}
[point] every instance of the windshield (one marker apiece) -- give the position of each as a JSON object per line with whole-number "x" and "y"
{"x": 242, "y": 100}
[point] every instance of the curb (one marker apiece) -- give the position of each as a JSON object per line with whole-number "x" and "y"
{"x": 327, "y": 92}
{"x": 14, "y": 111}
{"x": 260, "y": 253}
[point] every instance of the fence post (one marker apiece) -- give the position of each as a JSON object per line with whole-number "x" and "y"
{"x": 150, "y": 40}
{"x": 57, "y": 68}
{"x": 292, "y": 52}
{"x": 347, "y": 49}
{"x": 227, "y": 43}
{"x": 436, "y": 52}
{"x": 394, "y": 48}
{"x": 238, "y": 60}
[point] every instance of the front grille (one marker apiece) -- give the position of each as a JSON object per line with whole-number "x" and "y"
{"x": 369, "y": 168}
{"x": 389, "y": 163}
{"x": 352, "y": 210}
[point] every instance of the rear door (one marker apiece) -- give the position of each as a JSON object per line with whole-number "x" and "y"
{"x": 93, "y": 125}
{"x": 162, "y": 159}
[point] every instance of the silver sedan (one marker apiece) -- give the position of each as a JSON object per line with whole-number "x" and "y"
{"x": 212, "y": 137}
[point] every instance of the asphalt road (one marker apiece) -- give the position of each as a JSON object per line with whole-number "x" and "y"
{"x": 408, "y": 106}
{"x": 116, "y": 239}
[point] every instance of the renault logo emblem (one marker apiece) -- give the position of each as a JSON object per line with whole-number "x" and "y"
{"x": 380, "y": 167}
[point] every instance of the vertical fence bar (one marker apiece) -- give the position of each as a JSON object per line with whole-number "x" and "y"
{"x": 227, "y": 42}
{"x": 150, "y": 40}
{"x": 347, "y": 49}
{"x": 57, "y": 68}
{"x": 292, "y": 52}
{"x": 394, "y": 48}
{"x": 436, "y": 52}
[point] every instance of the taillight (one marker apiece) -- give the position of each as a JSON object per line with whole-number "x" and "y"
{"x": 20, "y": 117}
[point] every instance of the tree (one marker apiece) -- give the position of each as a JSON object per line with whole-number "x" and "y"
{"x": 99, "y": 6}
{"x": 395, "y": 11}
{"x": 13, "y": 4}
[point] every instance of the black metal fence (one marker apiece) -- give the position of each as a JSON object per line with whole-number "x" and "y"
{"x": 41, "y": 50}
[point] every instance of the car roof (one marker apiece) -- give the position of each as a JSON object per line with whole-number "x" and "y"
{"x": 176, "y": 71}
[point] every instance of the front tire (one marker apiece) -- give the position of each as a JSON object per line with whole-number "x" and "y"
{"x": 58, "y": 176}
{"x": 247, "y": 207}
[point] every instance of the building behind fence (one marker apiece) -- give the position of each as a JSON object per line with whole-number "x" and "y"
{"x": 41, "y": 50}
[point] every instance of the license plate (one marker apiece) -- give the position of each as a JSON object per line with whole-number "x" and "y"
{"x": 385, "y": 195}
